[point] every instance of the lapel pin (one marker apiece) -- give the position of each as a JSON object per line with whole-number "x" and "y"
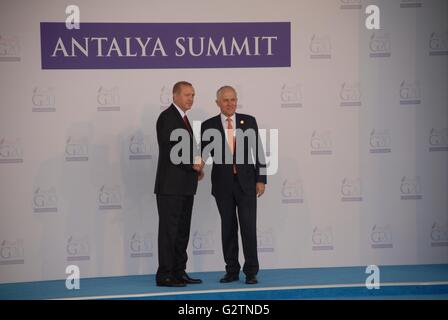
{"x": 242, "y": 122}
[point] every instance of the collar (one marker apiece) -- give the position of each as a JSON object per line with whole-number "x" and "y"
{"x": 182, "y": 113}
{"x": 224, "y": 119}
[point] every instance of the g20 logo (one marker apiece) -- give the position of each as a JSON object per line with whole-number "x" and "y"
{"x": 137, "y": 145}
{"x": 322, "y": 236}
{"x": 45, "y": 198}
{"x": 320, "y": 141}
{"x": 75, "y": 147}
{"x": 410, "y": 186}
{"x": 351, "y": 187}
{"x": 9, "y": 150}
{"x": 350, "y": 92}
{"x": 290, "y": 93}
{"x": 410, "y": 90}
{"x": 43, "y": 97}
{"x": 438, "y": 41}
{"x": 11, "y": 249}
{"x": 292, "y": 188}
{"x": 320, "y": 44}
{"x": 438, "y": 137}
{"x": 141, "y": 243}
{"x": 439, "y": 233}
{"x": 78, "y": 246}
{"x": 381, "y": 234}
{"x": 9, "y": 46}
{"x": 109, "y": 195}
{"x": 203, "y": 240}
{"x": 165, "y": 96}
{"x": 380, "y": 139}
{"x": 379, "y": 43}
{"x": 108, "y": 97}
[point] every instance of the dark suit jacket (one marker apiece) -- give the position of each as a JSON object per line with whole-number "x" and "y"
{"x": 174, "y": 179}
{"x": 248, "y": 172}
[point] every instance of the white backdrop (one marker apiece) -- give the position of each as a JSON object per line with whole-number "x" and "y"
{"x": 363, "y": 141}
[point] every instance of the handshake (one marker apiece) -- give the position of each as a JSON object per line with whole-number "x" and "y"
{"x": 198, "y": 166}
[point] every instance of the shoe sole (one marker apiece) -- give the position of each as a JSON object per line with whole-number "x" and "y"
{"x": 173, "y": 286}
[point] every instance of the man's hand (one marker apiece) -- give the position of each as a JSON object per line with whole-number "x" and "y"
{"x": 259, "y": 188}
{"x": 198, "y": 164}
{"x": 201, "y": 175}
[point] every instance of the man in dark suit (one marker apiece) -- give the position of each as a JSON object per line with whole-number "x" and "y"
{"x": 175, "y": 187}
{"x": 235, "y": 183}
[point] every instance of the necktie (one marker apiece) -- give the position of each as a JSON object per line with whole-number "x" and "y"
{"x": 231, "y": 141}
{"x": 187, "y": 123}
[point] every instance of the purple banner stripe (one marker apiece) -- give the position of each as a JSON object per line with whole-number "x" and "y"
{"x": 165, "y": 45}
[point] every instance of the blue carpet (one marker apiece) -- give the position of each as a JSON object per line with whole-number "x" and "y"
{"x": 422, "y": 283}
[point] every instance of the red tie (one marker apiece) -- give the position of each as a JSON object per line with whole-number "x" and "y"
{"x": 187, "y": 123}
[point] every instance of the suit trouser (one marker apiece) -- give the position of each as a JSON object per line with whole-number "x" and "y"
{"x": 247, "y": 216}
{"x": 174, "y": 233}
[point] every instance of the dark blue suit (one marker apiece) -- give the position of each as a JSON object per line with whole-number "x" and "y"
{"x": 175, "y": 188}
{"x": 232, "y": 191}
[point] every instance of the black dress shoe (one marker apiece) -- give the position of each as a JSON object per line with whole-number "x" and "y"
{"x": 185, "y": 278}
{"x": 170, "y": 282}
{"x": 230, "y": 277}
{"x": 251, "y": 279}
